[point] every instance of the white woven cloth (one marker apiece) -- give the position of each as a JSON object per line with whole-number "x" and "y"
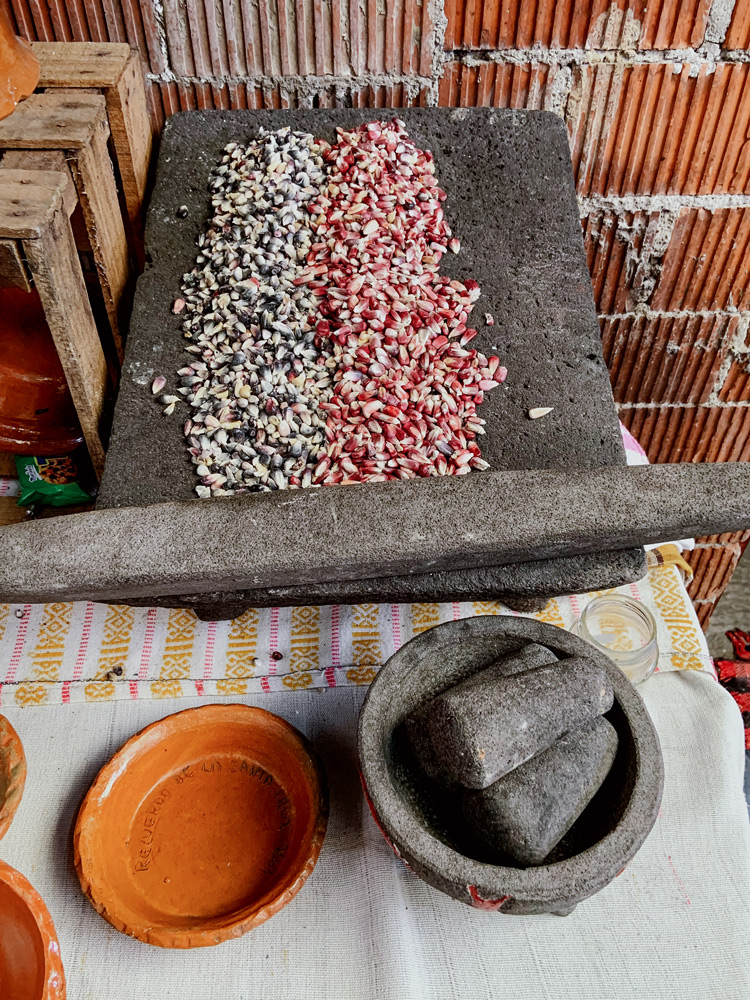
{"x": 673, "y": 926}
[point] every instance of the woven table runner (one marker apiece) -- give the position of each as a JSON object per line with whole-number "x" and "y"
{"x": 55, "y": 653}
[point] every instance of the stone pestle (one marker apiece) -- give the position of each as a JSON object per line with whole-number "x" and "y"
{"x": 482, "y": 728}
{"x": 380, "y": 529}
{"x": 527, "y": 813}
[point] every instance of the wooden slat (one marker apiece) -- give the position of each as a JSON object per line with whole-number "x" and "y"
{"x": 27, "y": 200}
{"x": 53, "y": 121}
{"x": 95, "y": 182}
{"x": 44, "y": 159}
{"x": 57, "y": 275}
{"x": 81, "y": 64}
{"x": 13, "y": 272}
{"x": 132, "y": 139}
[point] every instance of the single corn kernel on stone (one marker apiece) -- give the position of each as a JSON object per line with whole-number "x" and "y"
{"x": 526, "y": 813}
{"x": 484, "y": 727}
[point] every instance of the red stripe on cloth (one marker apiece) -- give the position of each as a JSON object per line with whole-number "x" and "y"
{"x": 575, "y": 606}
{"x": 208, "y": 656}
{"x": 396, "y": 626}
{"x": 82, "y": 650}
{"x": 15, "y": 657}
{"x": 330, "y": 676}
{"x": 265, "y": 686}
{"x": 456, "y": 610}
{"x": 335, "y": 637}
{"x": 134, "y": 689}
{"x": 199, "y": 688}
{"x": 273, "y": 639}
{"x": 148, "y": 640}
{"x": 742, "y": 699}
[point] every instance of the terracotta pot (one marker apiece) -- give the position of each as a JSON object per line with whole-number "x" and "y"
{"x": 30, "y": 963}
{"x": 12, "y": 774}
{"x": 202, "y": 826}
{"x": 37, "y": 416}
{"x": 19, "y": 67}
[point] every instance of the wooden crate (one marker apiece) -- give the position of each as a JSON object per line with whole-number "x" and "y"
{"x": 35, "y": 233}
{"x": 114, "y": 70}
{"x": 68, "y": 132}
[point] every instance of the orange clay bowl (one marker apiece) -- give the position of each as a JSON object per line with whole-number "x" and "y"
{"x": 202, "y": 826}
{"x": 30, "y": 964}
{"x": 12, "y": 775}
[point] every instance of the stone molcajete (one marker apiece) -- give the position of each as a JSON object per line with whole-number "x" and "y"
{"x": 202, "y": 826}
{"x": 544, "y": 799}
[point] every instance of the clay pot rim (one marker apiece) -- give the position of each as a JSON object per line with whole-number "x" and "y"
{"x": 54, "y": 975}
{"x": 11, "y": 750}
{"x": 572, "y": 879}
{"x": 194, "y": 936}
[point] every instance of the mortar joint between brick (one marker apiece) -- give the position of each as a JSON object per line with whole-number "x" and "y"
{"x": 161, "y": 34}
{"x": 293, "y": 83}
{"x": 695, "y": 58}
{"x": 629, "y": 203}
{"x": 737, "y": 352}
{"x": 439, "y": 21}
{"x": 718, "y": 405}
{"x": 656, "y": 314}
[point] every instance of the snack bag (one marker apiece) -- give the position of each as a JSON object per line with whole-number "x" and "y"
{"x": 49, "y": 481}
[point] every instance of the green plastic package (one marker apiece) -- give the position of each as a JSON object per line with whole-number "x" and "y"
{"x": 50, "y": 481}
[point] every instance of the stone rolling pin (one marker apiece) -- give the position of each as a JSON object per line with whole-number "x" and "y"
{"x": 370, "y": 530}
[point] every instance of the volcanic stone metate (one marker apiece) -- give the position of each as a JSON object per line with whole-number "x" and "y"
{"x": 511, "y": 202}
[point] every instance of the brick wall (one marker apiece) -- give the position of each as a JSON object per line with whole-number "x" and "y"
{"x": 656, "y": 97}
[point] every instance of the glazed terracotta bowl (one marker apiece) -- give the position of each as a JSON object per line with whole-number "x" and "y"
{"x": 30, "y": 964}
{"x": 12, "y": 774}
{"x": 202, "y": 826}
{"x": 418, "y": 817}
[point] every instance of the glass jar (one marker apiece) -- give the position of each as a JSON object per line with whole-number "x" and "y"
{"x": 624, "y": 630}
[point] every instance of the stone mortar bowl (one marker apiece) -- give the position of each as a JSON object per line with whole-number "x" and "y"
{"x": 418, "y": 818}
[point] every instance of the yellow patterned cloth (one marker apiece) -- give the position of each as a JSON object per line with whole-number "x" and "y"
{"x": 56, "y": 653}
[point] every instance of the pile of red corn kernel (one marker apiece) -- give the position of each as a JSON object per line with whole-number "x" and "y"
{"x": 406, "y": 388}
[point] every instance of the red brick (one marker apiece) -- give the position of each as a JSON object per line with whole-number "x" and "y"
{"x": 528, "y": 85}
{"x": 707, "y": 264}
{"x": 206, "y": 38}
{"x": 665, "y": 359}
{"x": 690, "y": 433}
{"x": 728, "y": 538}
{"x": 704, "y": 610}
{"x": 738, "y": 36}
{"x": 712, "y": 568}
{"x": 647, "y": 129}
{"x": 621, "y": 258}
{"x": 601, "y": 24}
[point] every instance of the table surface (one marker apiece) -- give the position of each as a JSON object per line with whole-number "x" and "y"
{"x": 673, "y": 925}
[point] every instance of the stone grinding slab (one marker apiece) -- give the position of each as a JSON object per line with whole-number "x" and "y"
{"x": 511, "y": 201}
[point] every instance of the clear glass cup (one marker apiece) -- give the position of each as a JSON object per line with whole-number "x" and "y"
{"x": 624, "y": 630}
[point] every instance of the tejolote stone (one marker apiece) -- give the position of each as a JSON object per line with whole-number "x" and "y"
{"x": 527, "y": 813}
{"x": 417, "y": 726}
{"x": 488, "y": 724}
